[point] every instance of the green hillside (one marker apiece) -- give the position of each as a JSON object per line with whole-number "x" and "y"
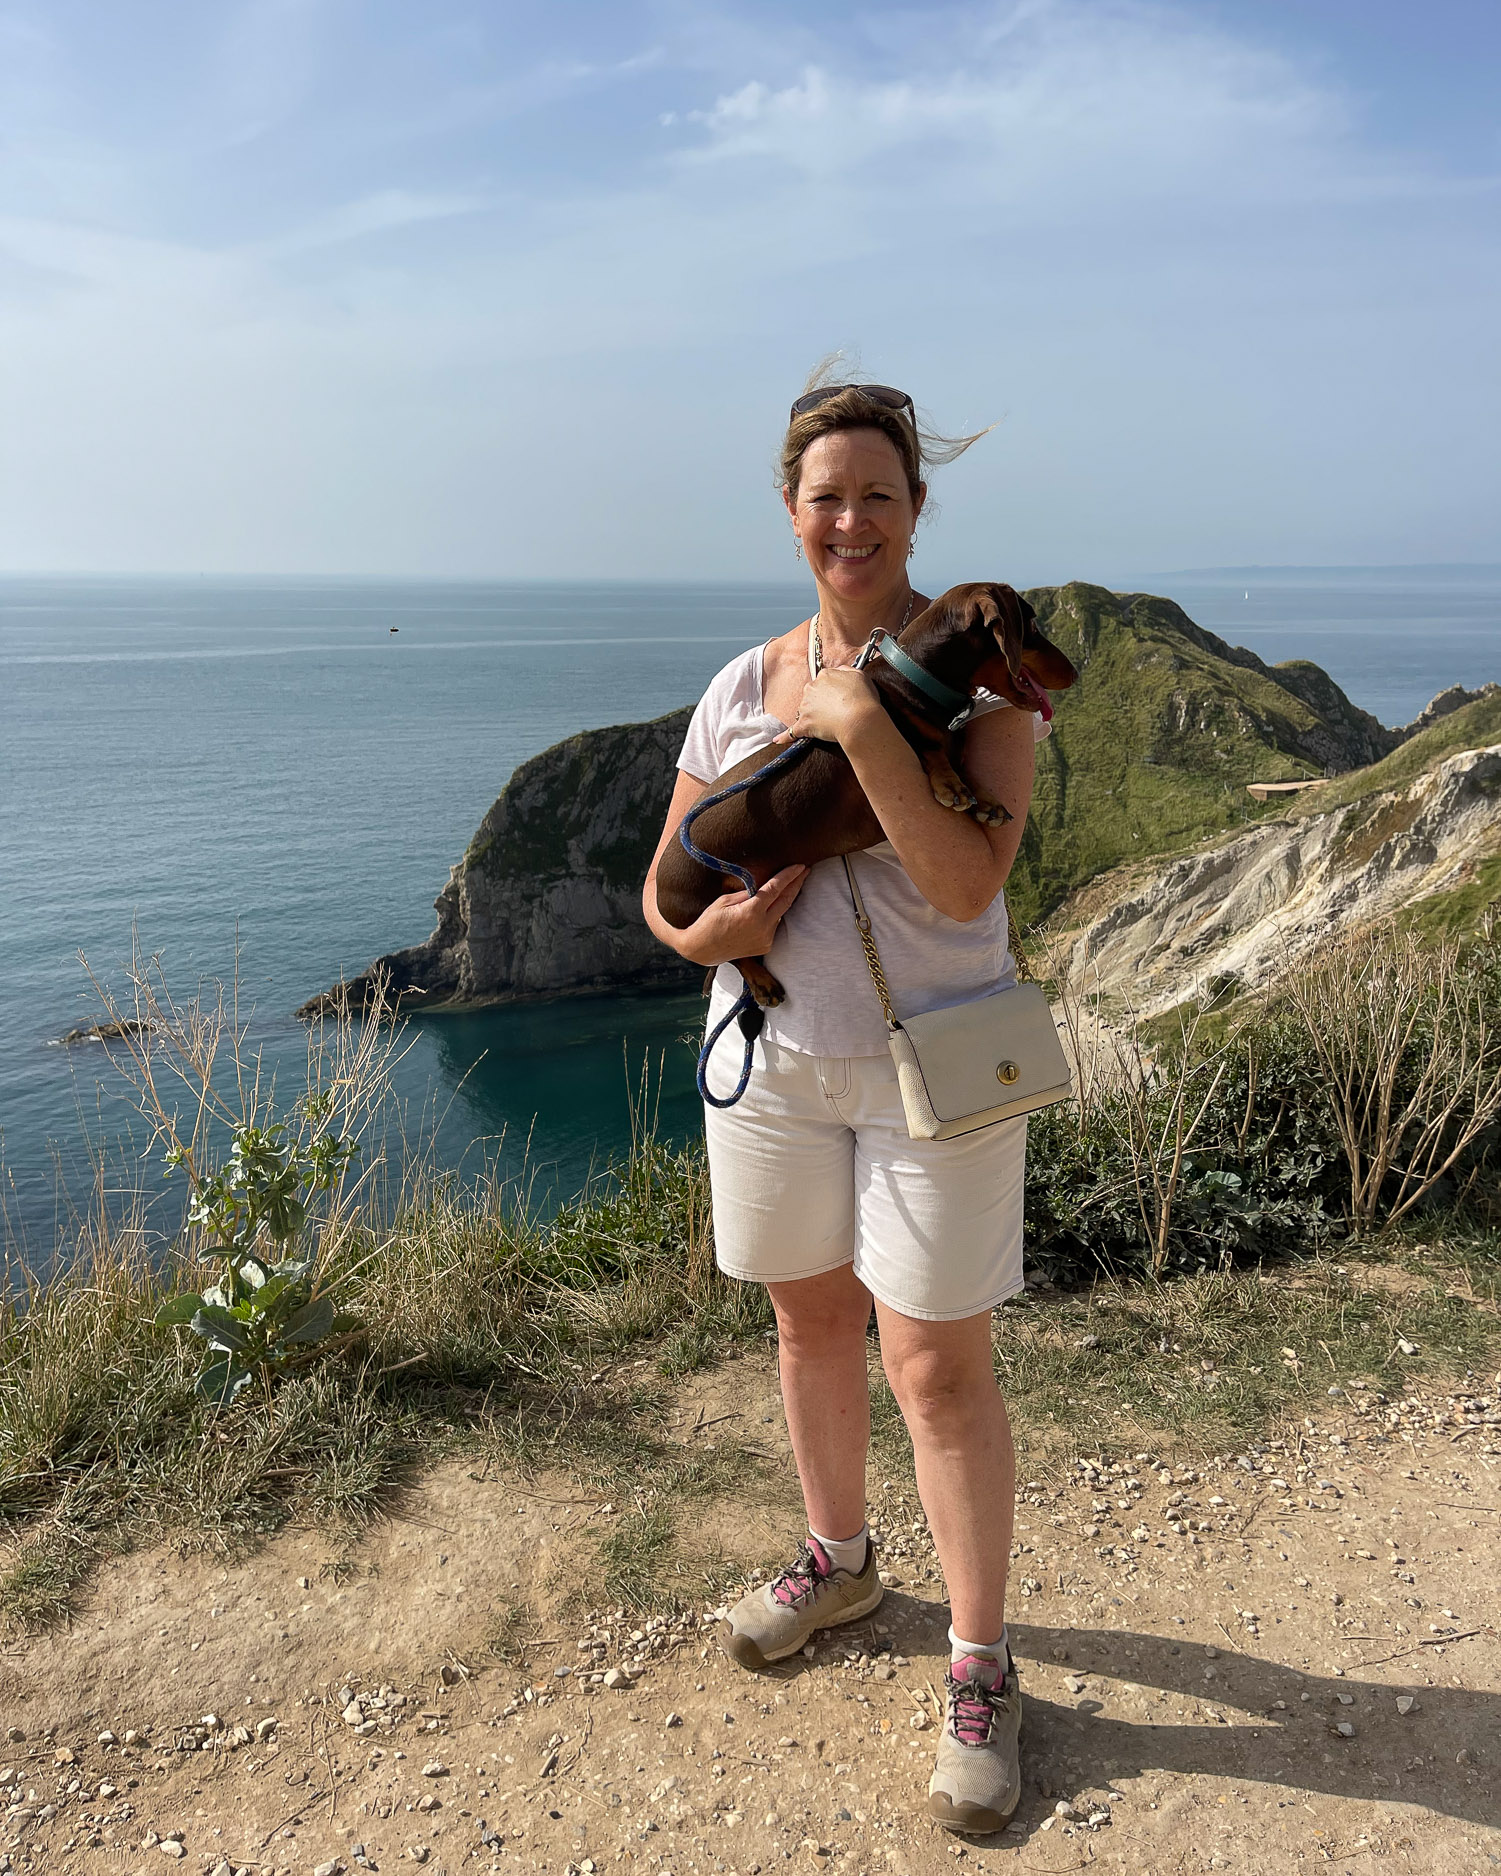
{"x": 1153, "y": 747}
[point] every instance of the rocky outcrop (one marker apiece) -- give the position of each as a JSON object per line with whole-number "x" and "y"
{"x": 547, "y": 900}
{"x": 1445, "y": 704}
{"x": 1229, "y": 916}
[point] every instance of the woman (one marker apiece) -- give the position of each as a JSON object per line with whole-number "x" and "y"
{"x": 818, "y": 1191}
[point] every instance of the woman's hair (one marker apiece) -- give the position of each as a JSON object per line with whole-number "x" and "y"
{"x": 849, "y": 409}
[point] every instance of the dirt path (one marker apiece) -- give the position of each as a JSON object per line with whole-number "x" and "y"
{"x": 1282, "y": 1660}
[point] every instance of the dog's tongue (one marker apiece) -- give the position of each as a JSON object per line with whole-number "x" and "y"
{"x": 1026, "y": 682}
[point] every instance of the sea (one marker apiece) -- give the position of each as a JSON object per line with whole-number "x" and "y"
{"x": 268, "y": 779}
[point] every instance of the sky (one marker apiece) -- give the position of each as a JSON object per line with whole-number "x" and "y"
{"x": 490, "y": 290}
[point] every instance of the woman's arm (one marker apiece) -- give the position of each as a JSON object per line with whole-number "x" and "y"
{"x": 738, "y": 925}
{"x": 956, "y": 864}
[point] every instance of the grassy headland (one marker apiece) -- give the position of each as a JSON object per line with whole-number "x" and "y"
{"x": 1192, "y": 1218}
{"x": 1152, "y": 748}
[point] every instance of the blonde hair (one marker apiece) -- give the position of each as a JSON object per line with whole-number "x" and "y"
{"x": 851, "y": 409}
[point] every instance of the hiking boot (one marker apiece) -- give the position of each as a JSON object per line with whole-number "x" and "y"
{"x": 977, "y": 1782}
{"x": 774, "y": 1621}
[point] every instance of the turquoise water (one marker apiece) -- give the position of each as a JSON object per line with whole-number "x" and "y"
{"x": 206, "y": 760}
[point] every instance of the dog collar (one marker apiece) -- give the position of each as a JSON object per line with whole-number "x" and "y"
{"x": 907, "y": 666}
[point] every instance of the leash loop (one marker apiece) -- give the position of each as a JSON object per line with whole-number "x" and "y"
{"x": 746, "y": 1010}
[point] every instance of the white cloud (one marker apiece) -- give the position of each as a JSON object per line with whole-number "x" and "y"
{"x": 1200, "y": 292}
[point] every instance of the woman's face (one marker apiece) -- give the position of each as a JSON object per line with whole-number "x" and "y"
{"x": 854, "y": 514}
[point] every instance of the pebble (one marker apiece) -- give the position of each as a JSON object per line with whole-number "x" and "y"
{"x": 1074, "y": 1684}
{"x": 170, "y": 1847}
{"x": 617, "y": 1677}
{"x": 1345, "y": 1730}
{"x": 107, "y": 1738}
{"x": 435, "y": 1768}
{"x": 1405, "y": 1703}
{"x": 673, "y": 1719}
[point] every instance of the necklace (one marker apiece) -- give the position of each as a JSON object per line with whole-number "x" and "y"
{"x": 818, "y": 664}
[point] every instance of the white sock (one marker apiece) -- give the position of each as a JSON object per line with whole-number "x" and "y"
{"x": 997, "y": 1650}
{"x": 845, "y": 1553}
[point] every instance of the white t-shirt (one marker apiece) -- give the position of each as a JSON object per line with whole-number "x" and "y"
{"x": 931, "y": 961}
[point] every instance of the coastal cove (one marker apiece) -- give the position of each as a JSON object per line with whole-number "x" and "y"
{"x": 273, "y": 759}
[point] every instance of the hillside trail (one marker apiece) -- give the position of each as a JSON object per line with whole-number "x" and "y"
{"x": 1277, "y": 1660}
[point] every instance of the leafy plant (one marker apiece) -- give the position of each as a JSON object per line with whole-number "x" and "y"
{"x": 266, "y": 1310}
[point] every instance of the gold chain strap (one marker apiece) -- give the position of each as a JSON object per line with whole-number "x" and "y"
{"x": 873, "y": 957}
{"x": 873, "y": 964}
{"x": 1023, "y": 963}
{"x": 868, "y": 946}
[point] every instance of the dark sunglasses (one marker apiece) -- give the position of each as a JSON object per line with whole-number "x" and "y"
{"x": 884, "y": 394}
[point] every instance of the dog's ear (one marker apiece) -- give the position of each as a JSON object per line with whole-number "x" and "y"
{"x": 1008, "y": 615}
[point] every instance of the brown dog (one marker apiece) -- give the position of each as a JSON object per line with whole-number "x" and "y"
{"x": 815, "y": 809}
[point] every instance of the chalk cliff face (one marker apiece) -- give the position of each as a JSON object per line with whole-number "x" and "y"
{"x": 1231, "y": 915}
{"x": 547, "y": 900}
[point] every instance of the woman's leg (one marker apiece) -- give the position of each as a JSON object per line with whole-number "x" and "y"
{"x": 821, "y": 1323}
{"x": 943, "y": 1377}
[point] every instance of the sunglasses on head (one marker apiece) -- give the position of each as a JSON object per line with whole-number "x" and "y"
{"x": 886, "y": 395}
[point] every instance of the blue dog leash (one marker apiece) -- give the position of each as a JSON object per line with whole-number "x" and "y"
{"x": 746, "y": 1010}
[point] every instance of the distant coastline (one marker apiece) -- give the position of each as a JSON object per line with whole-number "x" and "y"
{"x": 1418, "y": 573}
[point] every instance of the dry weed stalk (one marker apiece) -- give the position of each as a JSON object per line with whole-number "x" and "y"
{"x": 1406, "y": 1036}
{"x": 1157, "y": 1093}
{"x": 191, "y": 1072}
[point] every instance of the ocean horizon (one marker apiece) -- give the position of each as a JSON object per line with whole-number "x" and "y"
{"x": 262, "y": 768}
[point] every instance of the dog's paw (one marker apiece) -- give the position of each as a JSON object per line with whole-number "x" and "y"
{"x": 991, "y": 814}
{"x": 765, "y": 988}
{"x": 950, "y": 794}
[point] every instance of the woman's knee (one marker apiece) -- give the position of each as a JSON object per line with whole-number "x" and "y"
{"x": 936, "y": 1390}
{"x": 819, "y": 1315}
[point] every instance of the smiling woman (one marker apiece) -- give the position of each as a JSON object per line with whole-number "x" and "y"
{"x": 819, "y": 1189}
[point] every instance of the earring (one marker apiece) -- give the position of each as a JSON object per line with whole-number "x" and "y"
{"x": 912, "y": 544}
{"x": 797, "y": 545}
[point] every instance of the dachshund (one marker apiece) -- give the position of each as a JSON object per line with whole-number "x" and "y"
{"x": 813, "y": 808}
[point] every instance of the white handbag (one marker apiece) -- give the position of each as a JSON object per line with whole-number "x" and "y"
{"x": 977, "y": 1063}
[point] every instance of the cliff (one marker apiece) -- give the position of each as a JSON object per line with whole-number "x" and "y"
{"x": 1153, "y": 747}
{"x": 1416, "y": 835}
{"x": 547, "y": 899}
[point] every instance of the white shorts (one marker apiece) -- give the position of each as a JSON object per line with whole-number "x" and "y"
{"x": 814, "y": 1168}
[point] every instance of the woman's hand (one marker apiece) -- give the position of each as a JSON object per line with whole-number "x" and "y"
{"x": 740, "y": 924}
{"x": 834, "y": 707}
